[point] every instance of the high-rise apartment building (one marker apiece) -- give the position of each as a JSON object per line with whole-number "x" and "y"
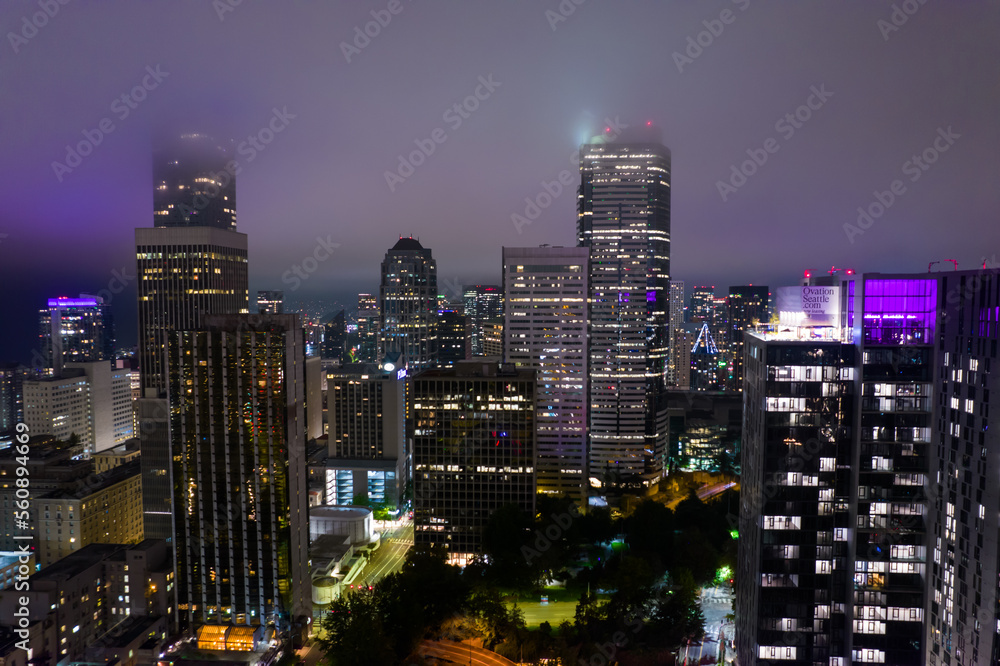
{"x": 624, "y": 220}
{"x": 483, "y": 302}
{"x": 193, "y": 185}
{"x": 891, "y": 488}
{"x": 748, "y": 306}
{"x": 237, "y": 430}
{"x": 795, "y": 578}
{"x": 408, "y": 305}
{"x": 76, "y": 329}
{"x": 473, "y": 451}
{"x": 545, "y": 329}
{"x": 270, "y": 302}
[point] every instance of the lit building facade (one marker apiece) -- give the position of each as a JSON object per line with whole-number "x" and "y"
{"x": 748, "y": 306}
{"x": 545, "y": 329}
{"x": 483, "y": 302}
{"x": 193, "y": 185}
{"x": 915, "y": 519}
{"x": 237, "y": 429}
{"x": 91, "y": 400}
{"x": 366, "y": 409}
{"x": 184, "y": 273}
{"x": 408, "y": 305}
{"x": 107, "y": 508}
{"x": 624, "y": 220}
{"x": 270, "y": 302}
{"x": 452, "y": 330}
{"x": 368, "y": 329}
{"x": 794, "y": 582}
{"x": 473, "y": 451}
{"x": 702, "y": 305}
{"x": 76, "y": 329}
{"x": 676, "y": 323}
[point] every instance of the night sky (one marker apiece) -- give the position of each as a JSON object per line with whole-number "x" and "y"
{"x": 885, "y": 81}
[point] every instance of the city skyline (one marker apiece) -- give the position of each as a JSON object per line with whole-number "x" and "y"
{"x": 324, "y": 167}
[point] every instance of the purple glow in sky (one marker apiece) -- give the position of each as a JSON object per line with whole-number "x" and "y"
{"x": 442, "y": 120}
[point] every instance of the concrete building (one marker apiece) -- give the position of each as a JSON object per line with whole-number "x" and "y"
{"x": 91, "y": 400}
{"x": 105, "y": 508}
{"x": 367, "y": 447}
{"x": 96, "y": 598}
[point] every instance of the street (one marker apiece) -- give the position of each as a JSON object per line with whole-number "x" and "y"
{"x": 390, "y": 555}
{"x": 460, "y": 653}
{"x": 716, "y": 603}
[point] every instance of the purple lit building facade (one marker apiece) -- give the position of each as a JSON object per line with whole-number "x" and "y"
{"x": 76, "y": 330}
{"x": 889, "y": 553}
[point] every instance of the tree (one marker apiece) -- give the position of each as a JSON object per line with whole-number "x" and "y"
{"x": 353, "y": 632}
{"x": 361, "y": 499}
{"x": 508, "y": 544}
{"x": 678, "y": 616}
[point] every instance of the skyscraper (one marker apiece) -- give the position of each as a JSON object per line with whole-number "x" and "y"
{"x": 676, "y": 323}
{"x": 748, "y": 306}
{"x": 271, "y": 302}
{"x": 868, "y": 459}
{"x": 452, "y": 328}
{"x": 702, "y": 300}
{"x": 192, "y": 263}
{"x": 624, "y": 220}
{"x": 237, "y": 427}
{"x": 184, "y": 274}
{"x": 335, "y": 336}
{"x": 482, "y": 303}
{"x": 408, "y": 304}
{"x": 76, "y": 329}
{"x": 368, "y": 329}
{"x": 473, "y": 451}
{"x": 194, "y": 183}
{"x": 795, "y": 576}
{"x": 545, "y": 329}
